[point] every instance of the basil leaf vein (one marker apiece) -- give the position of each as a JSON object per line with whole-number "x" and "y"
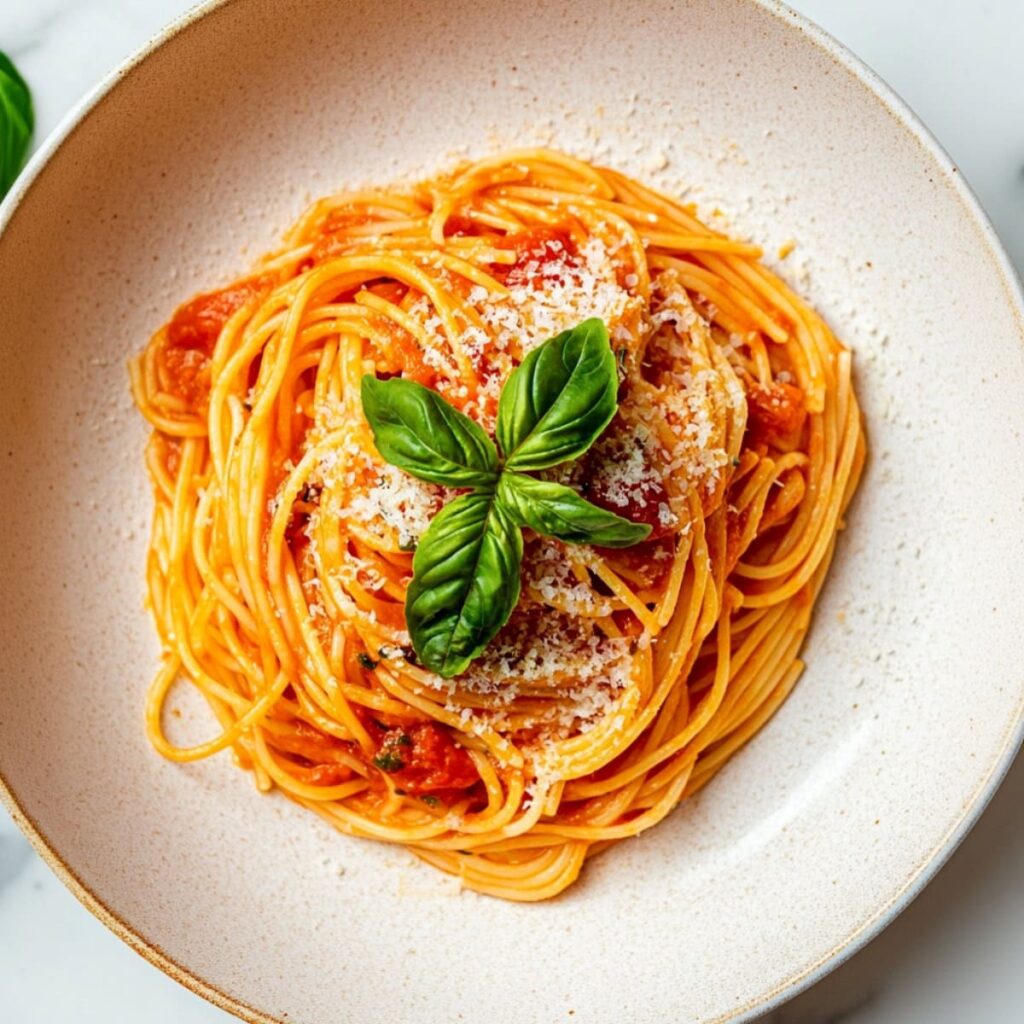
{"x": 558, "y": 511}
{"x": 559, "y": 400}
{"x": 415, "y": 429}
{"x": 16, "y": 122}
{"x": 465, "y": 582}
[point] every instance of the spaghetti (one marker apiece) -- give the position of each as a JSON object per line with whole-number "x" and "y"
{"x": 282, "y": 542}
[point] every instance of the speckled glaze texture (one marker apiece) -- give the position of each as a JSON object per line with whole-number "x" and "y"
{"x": 910, "y": 707}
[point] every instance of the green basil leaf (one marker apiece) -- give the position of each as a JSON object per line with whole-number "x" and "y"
{"x": 415, "y": 429}
{"x": 16, "y": 122}
{"x": 558, "y": 511}
{"x": 557, "y": 402}
{"x": 465, "y": 582}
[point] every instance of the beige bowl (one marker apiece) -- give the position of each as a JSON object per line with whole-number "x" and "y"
{"x": 190, "y": 161}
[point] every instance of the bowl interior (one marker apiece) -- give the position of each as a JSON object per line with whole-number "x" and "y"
{"x": 193, "y": 164}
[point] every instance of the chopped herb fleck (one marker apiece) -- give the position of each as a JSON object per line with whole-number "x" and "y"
{"x": 735, "y": 460}
{"x": 388, "y": 762}
{"x": 431, "y": 801}
{"x": 366, "y": 661}
{"x": 404, "y": 739}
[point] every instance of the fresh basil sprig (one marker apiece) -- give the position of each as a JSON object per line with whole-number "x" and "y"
{"x": 415, "y": 429}
{"x": 558, "y": 511}
{"x": 16, "y": 122}
{"x": 466, "y": 568}
{"x": 465, "y": 582}
{"x": 558, "y": 402}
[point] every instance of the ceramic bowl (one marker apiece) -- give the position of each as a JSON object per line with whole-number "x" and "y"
{"x": 191, "y": 160}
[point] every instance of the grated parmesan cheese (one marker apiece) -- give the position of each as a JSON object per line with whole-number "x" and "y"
{"x": 401, "y": 503}
{"x": 573, "y": 288}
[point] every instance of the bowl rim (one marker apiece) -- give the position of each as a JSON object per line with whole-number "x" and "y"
{"x": 861, "y": 934}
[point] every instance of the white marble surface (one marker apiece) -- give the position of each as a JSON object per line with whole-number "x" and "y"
{"x": 957, "y": 954}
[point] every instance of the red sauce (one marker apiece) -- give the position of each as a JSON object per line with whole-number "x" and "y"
{"x": 321, "y": 752}
{"x": 423, "y": 758}
{"x": 535, "y": 248}
{"x": 457, "y": 224}
{"x": 197, "y": 324}
{"x": 776, "y": 414}
{"x": 641, "y": 503}
{"x": 390, "y": 613}
{"x": 630, "y": 625}
{"x": 187, "y": 373}
{"x": 409, "y": 356}
{"x": 659, "y": 362}
{"x": 643, "y": 507}
{"x": 192, "y": 334}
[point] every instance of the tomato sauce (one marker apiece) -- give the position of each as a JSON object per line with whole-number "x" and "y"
{"x": 628, "y": 623}
{"x": 321, "y": 752}
{"x": 535, "y": 248}
{"x": 776, "y": 414}
{"x": 192, "y": 335}
{"x": 644, "y": 506}
{"x": 197, "y": 324}
{"x": 422, "y": 757}
{"x": 410, "y": 357}
{"x": 458, "y": 225}
{"x": 390, "y": 613}
{"x": 641, "y": 502}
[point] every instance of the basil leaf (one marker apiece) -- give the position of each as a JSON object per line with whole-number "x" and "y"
{"x": 415, "y": 429}
{"x": 465, "y": 582}
{"x": 558, "y": 511}
{"x": 557, "y": 402}
{"x": 16, "y": 122}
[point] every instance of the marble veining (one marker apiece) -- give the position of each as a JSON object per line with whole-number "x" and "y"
{"x": 955, "y": 953}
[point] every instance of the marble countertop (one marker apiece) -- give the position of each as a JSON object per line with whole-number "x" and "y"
{"x": 956, "y": 954}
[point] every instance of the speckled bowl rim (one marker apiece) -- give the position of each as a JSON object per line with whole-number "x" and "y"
{"x": 929, "y": 866}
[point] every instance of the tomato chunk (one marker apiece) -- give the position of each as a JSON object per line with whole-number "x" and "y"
{"x": 538, "y": 251}
{"x": 423, "y": 758}
{"x": 620, "y": 475}
{"x": 324, "y": 754}
{"x": 776, "y": 414}
{"x": 197, "y": 324}
{"x": 192, "y": 335}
